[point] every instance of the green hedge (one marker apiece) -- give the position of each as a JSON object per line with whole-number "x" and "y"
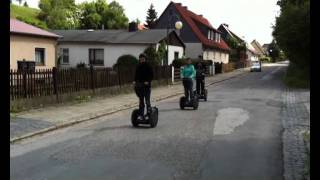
{"x": 126, "y": 61}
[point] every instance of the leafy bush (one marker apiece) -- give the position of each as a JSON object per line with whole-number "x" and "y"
{"x": 126, "y": 61}
{"x": 265, "y": 59}
{"x": 153, "y": 57}
{"x": 81, "y": 65}
{"x": 177, "y": 63}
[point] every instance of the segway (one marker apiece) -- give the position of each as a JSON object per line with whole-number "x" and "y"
{"x": 202, "y": 95}
{"x": 149, "y": 118}
{"x": 194, "y": 103}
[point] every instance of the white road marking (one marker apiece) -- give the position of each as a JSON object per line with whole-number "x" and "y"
{"x": 228, "y": 119}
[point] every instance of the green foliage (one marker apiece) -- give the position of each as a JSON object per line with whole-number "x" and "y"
{"x": 177, "y": 63}
{"x": 265, "y": 59}
{"x": 274, "y": 51}
{"x": 81, "y": 65}
{"x": 232, "y": 42}
{"x": 25, "y": 4}
{"x": 297, "y": 76}
{"x": 58, "y": 14}
{"x": 27, "y": 15}
{"x": 292, "y": 31}
{"x": 97, "y": 13}
{"x": 151, "y": 16}
{"x": 126, "y": 61}
{"x": 153, "y": 57}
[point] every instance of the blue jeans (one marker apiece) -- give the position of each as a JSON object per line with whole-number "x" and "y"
{"x": 188, "y": 88}
{"x": 143, "y": 92}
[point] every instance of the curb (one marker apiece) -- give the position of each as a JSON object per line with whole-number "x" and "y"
{"x": 97, "y": 115}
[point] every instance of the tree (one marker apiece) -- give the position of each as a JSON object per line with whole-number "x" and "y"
{"x": 292, "y": 31}
{"x": 274, "y": 51}
{"x": 19, "y": 1}
{"x": 151, "y": 16}
{"x": 25, "y": 4}
{"x": 95, "y": 14}
{"x": 59, "y": 14}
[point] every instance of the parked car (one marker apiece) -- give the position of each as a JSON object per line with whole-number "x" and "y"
{"x": 255, "y": 66}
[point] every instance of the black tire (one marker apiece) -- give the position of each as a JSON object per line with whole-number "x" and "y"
{"x": 195, "y": 103}
{"x": 182, "y": 102}
{"x": 134, "y": 117}
{"x": 154, "y": 117}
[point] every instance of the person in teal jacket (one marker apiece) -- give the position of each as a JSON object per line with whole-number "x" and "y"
{"x": 188, "y": 74}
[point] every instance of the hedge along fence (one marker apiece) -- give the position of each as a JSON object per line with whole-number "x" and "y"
{"x": 56, "y": 82}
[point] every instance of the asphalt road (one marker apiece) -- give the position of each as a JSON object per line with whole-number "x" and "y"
{"x": 235, "y": 135}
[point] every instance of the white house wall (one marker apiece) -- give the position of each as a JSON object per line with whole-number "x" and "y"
{"x": 216, "y": 56}
{"x": 173, "y": 49}
{"x": 79, "y": 53}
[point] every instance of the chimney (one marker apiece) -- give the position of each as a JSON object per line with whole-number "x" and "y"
{"x": 200, "y": 15}
{"x": 133, "y": 26}
{"x": 186, "y": 7}
{"x": 225, "y": 24}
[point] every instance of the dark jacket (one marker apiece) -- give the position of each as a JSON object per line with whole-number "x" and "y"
{"x": 200, "y": 74}
{"x": 144, "y": 73}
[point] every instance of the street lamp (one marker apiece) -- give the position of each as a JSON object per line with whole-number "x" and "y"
{"x": 178, "y": 25}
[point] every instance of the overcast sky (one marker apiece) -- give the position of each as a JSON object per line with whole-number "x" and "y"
{"x": 249, "y": 18}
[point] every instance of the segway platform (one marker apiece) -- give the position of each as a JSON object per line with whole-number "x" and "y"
{"x": 149, "y": 118}
{"x": 194, "y": 103}
{"x": 202, "y": 96}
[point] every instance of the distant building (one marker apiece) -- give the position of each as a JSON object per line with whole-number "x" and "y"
{"x": 102, "y": 48}
{"x": 260, "y": 50}
{"x": 31, "y": 44}
{"x": 200, "y": 38}
{"x": 265, "y": 48}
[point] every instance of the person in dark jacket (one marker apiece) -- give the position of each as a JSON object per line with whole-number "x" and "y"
{"x": 200, "y": 76}
{"x": 142, "y": 82}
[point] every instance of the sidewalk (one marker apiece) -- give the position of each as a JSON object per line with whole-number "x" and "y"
{"x": 296, "y": 121}
{"x": 34, "y": 122}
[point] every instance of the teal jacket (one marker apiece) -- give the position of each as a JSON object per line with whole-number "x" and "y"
{"x": 188, "y": 71}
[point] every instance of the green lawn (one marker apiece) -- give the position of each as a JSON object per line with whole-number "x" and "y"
{"x": 27, "y": 15}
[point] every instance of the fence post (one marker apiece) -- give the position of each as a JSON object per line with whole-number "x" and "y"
{"x": 55, "y": 86}
{"x": 24, "y": 81}
{"x": 92, "y": 77}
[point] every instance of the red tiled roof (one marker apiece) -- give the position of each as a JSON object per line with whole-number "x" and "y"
{"x": 190, "y": 18}
{"x": 19, "y": 27}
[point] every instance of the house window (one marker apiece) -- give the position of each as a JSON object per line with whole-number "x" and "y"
{"x": 176, "y": 55}
{"x": 40, "y": 56}
{"x": 96, "y": 57}
{"x": 209, "y": 34}
{"x": 64, "y": 55}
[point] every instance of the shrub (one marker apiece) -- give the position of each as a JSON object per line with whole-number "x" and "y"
{"x": 265, "y": 59}
{"x": 126, "y": 61}
{"x": 177, "y": 63}
{"x": 81, "y": 65}
{"x": 153, "y": 57}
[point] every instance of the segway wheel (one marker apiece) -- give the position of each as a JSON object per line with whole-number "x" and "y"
{"x": 134, "y": 118}
{"x": 205, "y": 94}
{"x": 182, "y": 102}
{"x": 195, "y": 103}
{"x": 154, "y": 117}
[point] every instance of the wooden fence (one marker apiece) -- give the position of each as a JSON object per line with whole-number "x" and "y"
{"x": 46, "y": 82}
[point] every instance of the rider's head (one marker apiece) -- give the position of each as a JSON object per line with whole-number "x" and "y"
{"x": 142, "y": 58}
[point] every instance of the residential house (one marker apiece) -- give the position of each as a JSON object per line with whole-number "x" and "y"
{"x": 200, "y": 38}
{"x": 265, "y": 47}
{"x": 261, "y": 52}
{"x": 245, "y": 55}
{"x": 30, "y": 43}
{"x": 104, "y": 47}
